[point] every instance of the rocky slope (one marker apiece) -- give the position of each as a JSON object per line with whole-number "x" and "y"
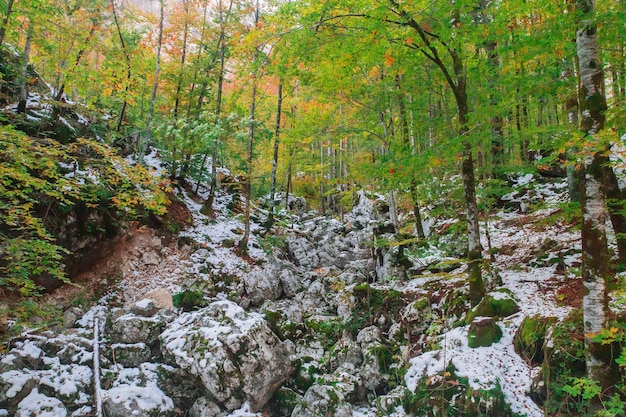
{"x": 321, "y": 318}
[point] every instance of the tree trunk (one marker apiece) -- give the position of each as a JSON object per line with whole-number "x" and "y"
{"x": 179, "y": 85}
{"x": 145, "y": 138}
{"x": 5, "y": 21}
{"x": 270, "y": 217}
{"x": 218, "y": 105}
{"x": 243, "y": 244}
{"x": 128, "y": 67}
{"x": 21, "y": 105}
{"x": 595, "y": 257}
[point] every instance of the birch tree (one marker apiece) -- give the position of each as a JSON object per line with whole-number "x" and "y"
{"x": 595, "y": 257}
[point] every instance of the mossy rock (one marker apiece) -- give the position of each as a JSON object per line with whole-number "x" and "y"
{"x": 456, "y": 397}
{"x": 530, "y": 338}
{"x": 483, "y": 331}
{"x": 189, "y": 300}
{"x": 283, "y": 402}
{"x": 498, "y": 304}
{"x": 282, "y": 326}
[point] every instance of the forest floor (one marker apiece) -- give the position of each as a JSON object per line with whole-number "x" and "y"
{"x": 536, "y": 254}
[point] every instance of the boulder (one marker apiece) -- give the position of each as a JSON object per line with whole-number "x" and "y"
{"x": 129, "y": 355}
{"x": 131, "y": 329}
{"x": 499, "y": 303}
{"x": 36, "y": 404}
{"x": 530, "y": 338}
{"x": 14, "y": 387}
{"x": 483, "y": 331}
{"x": 205, "y": 407}
{"x": 235, "y": 354}
{"x": 126, "y": 400}
{"x": 179, "y": 385}
{"x": 323, "y": 401}
{"x": 161, "y": 298}
{"x": 144, "y": 308}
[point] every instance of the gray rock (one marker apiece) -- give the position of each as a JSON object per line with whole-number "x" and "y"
{"x": 144, "y": 308}
{"x": 150, "y": 258}
{"x": 264, "y": 284}
{"x": 131, "y": 329}
{"x": 235, "y": 353}
{"x": 178, "y": 384}
{"x": 204, "y": 407}
{"x": 14, "y": 387}
{"x": 323, "y": 401}
{"x": 127, "y": 400}
{"x": 129, "y": 355}
{"x": 36, "y": 404}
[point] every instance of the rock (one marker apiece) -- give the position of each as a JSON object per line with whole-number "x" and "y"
{"x": 530, "y": 337}
{"x": 497, "y": 304}
{"x": 182, "y": 387}
{"x": 131, "y": 329}
{"x": 127, "y": 400}
{"x": 69, "y": 318}
{"x": 204, "y": 407}
{"x": 36, "y": 404}
{"x": 483, "y": 331}
{"x": 144, "y": 308}
{"x": 150, "y": 258}
{"x": 161, "y": 297}
{"x": 14, "y": 387}
{"x": 65, "y": 382}
{"x": 236, "y": 355}
{"x": 265, "y": 284}
{"x": 129, "y": 355}
{"x": 283, "y": 402}
{"x": 323, "y": 401}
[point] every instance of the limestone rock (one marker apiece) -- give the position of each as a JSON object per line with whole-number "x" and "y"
{"x": 127, "y": 400}
{"x": 36, "y": 404}
{"x": 129, "y": 355}
{"x": 204, "y": 407}
{"x": 236, "y": 355}
{"x": 161, "y": 297}
{"x": 144, "y": 308}
{"x": 134, "y": 329}
{"x": 323, "y": 401}
{"x": 14, "y": 387}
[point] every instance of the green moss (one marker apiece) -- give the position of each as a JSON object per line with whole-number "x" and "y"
{"x": 453, "y": 397}
{"x": 373, "y": 303}
{"x": 189, "y": 300}
{"x": 530, "y": 337}
{"x": 497, "y": 304}
{"x": 483, "y": 332}
{"x": 283, "y": 402}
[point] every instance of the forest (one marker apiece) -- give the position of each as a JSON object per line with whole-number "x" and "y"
{"x": 450, "y": 123}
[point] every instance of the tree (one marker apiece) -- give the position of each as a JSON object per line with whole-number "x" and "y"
{"x": 145, "y": 138}
{"x": 595, "y": 260}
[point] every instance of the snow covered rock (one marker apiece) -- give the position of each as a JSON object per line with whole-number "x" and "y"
{"x": 14, "y": 386}
{"x": 144, "y": 308}
{"x": 264, "y": 284}
{"x": 135, "y": 329}
{"x": 204, "y": 407}
{"x": 323, "y": 401}
{"x": 235, "y": 354}
{"x": 36, "y": 404}
{"x": 129, "y": 355}
{"x": 129, "y": 400}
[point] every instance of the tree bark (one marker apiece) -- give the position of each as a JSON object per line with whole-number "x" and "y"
{"x": 21, "y": 105}
{"x": 218, "y": 104}
{"x": 145, "y": 138}
{"x": 5, "y": 21}
{"x": 270, "y": 217}
{"x": 128, "y": 67}
{"x": 595, "y": 257}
